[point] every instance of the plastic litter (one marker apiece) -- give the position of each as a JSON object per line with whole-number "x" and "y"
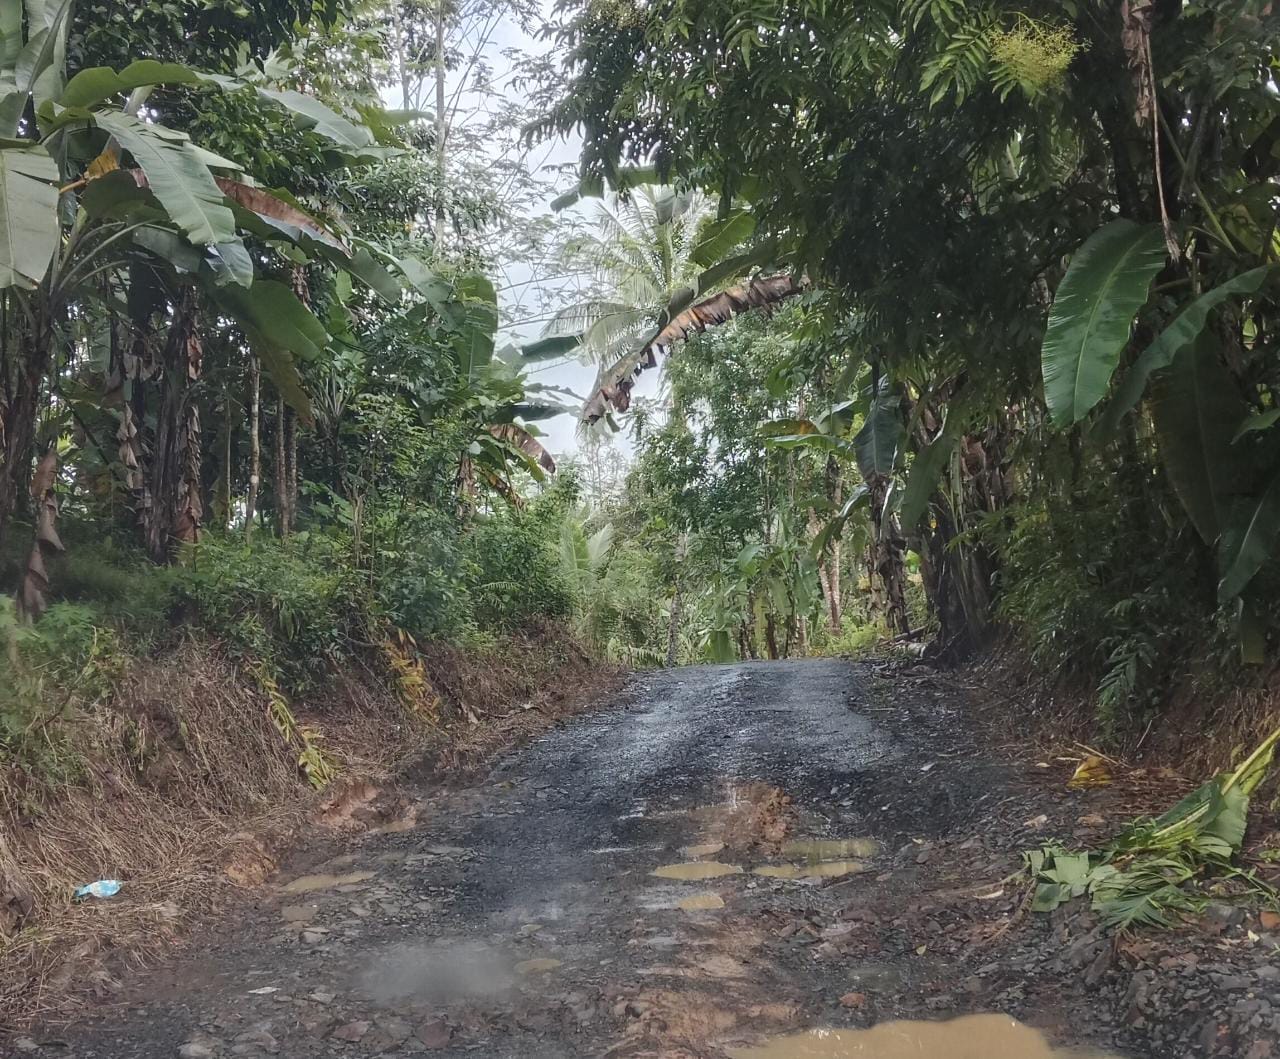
{"x": 101, "y": 888}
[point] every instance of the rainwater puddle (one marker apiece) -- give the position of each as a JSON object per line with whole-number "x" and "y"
{"x": 706, "y": 849}
{"x": 814, "y": 850}
{"x": 695, "y": 871}
{"x": 437, "y": 973}
{"x": 702, "y": 903}
{"x": 970, "y": 1037}
{"x": 306, "y": 884}
{"x": 537, "y": 966}
{"x": 831, "y": 869}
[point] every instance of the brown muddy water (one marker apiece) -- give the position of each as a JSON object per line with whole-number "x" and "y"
{"x": 696, "y": 871}
{"x": 970, "y": 1037}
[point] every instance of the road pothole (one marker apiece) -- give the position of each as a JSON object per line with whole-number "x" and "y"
{"x": 970, "y": 1037}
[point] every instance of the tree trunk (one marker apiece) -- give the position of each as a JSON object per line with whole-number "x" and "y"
{"x": 888, "y": 552}
{"x": 255, "y": 446}
{"x": 835, "y": 493}
{"x": 174, "y": 473}
{"x": 18, "y": 417}
{"x": 771, "y": 636}
{"x": 442, "y": 129}
{"x": 222, "y": 491}
{"x": 673, "y": 625}
{"x": 280, "y": 471}
{"x": 291, "y": 464}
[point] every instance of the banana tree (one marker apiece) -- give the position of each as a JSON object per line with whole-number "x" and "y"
{"x": 491, "y": 392}
{"x": 868, "y": 432}
{"x": 659, "y": 260}
{"x": 104, "y": 209}
{"x": 1221, "y": 454}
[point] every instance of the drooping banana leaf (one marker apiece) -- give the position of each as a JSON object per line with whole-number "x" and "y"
{"x": 177, "y": 176}
{"x": 1195, "y": 408}
{"x": 551, "y": 347}
{"x": 623, "y": 180}
{"x": 1249, "y": 539}
{"x": 1256, "y": 421}
{"x": 1182, "y": 330}
{"x": 723, "y": 235}
{"x": 1092, "y": 313}
{"x": 28, "y": 215}
{"x": 923, "y": 477}
{"x": 99, "y": 83}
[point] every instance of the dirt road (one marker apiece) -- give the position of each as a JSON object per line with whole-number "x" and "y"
{"x": 721, "y": 859}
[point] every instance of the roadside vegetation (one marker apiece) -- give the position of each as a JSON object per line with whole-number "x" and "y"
{"x": 1020, "y": 387}
{"x": 965, "y": 315}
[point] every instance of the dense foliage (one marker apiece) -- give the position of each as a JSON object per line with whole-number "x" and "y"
{"x": 969, "y": 307}
{"x": 1038, "y": 354}
{"x": 249, "y": 385}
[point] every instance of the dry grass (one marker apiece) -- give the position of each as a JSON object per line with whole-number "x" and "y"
{"x": 189, "y": 795}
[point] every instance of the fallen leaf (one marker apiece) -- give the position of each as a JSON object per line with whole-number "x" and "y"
{"x": 1093, "y": 771}
{"x": 1269, "y": 920}
{"x": 853, "y": 1000}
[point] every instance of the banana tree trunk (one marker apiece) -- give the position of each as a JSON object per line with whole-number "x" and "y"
{"x": 291, "y": 464}
{"x": 173, "y": 478}
{"x": 18, "y": 414}
{"x": 280, "y": 471}
{"x": 888, "y": 557}
{"x": 835, "y": 494}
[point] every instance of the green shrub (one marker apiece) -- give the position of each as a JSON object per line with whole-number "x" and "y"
{"x": 857, "y": 637}
{"x": 517, "y": 573}
{"x": 423, "y": 577}
{"x": 295, "y": 605}
{"x": 65, "y": 662}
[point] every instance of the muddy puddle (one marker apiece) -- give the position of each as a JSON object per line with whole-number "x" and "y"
{"x": 306, "y": 884}
{"x": 438, "y": 972}
{"x": 820, "y": 849}
{"x": 831, "y": 869}
{"x": 970, "y": 1037}
{"x": 695, "y": 871}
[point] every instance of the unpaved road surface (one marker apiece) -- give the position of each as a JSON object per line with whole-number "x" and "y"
{"x": 829, "y": 850}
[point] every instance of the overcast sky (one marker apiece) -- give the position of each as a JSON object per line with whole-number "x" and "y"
{"x": 520, "y": 288}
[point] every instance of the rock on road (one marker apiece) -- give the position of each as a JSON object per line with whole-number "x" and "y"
{"x": 792, "y": 815}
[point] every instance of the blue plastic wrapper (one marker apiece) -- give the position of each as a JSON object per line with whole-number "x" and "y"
{"x": 101, "y": 888}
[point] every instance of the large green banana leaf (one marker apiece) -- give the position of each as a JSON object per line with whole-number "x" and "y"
{"x": 177, "y": 176}
{"x": 1093, "y": 310}
{"x": 1249, "y": 540}
{"x": 474, "y": 341}
{"x": 28, "y": 215}
{"x": 1183, "y": 329}
{"x": 1196, "y": 407}
{"x": 878, "y": 442}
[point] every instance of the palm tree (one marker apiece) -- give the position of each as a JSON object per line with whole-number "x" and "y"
{"x": 657, "y": 256}
{"x": 639, "y": 256}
